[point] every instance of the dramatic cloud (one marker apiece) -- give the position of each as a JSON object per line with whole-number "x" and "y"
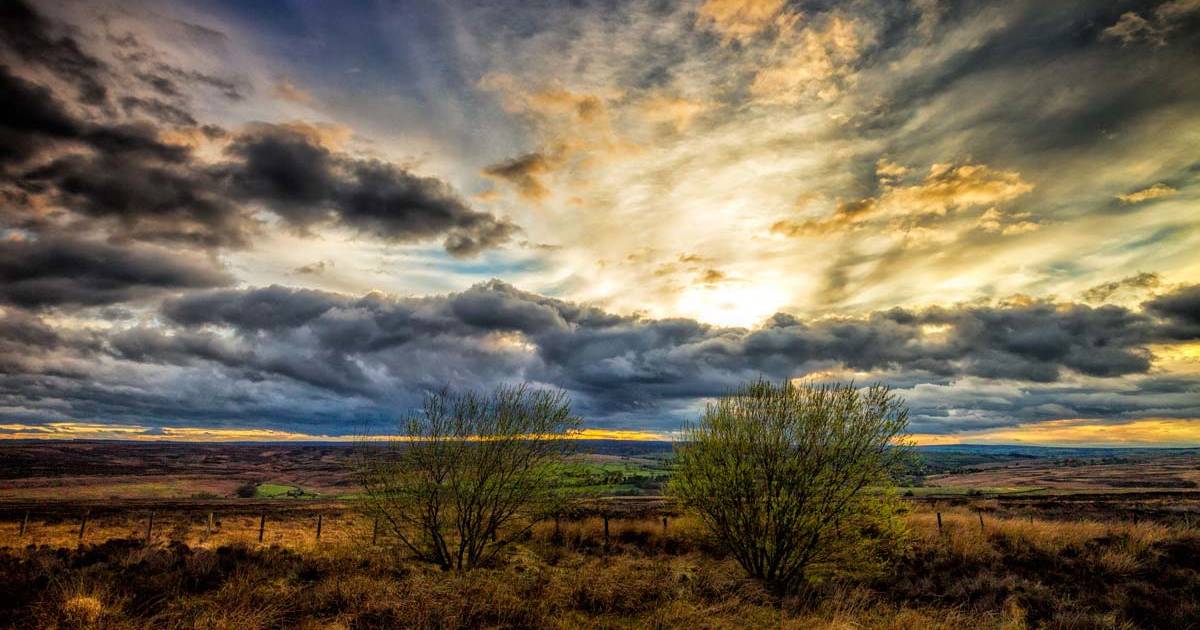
{"x": 132, "y": 177}
{"x": 1132, "y": 28}
{"x": 30, "y": 36}
{"x": 386, "y": 351}
{"x": 307, "y": 184}
{"x": 1135, "y": 285}
{"x": 55, "y": 271}
{"x": 1154, "y": 192}
{"x": 285, "y": 222}
{"x": 525, "y": 173}
{"x": 1182, "y": 310}
{"x": 739, "y": 19}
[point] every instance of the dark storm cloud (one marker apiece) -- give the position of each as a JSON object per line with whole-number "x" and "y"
{"x": 304, "y": 358}
{"x": 620, "y": 365}
{"x": 1181, "y": 309}
{"x": 307, "y": 184}
{"x": 132, "y": 185}
{"x": 172, "y": 81}
{"x": 32, "y": 37}
{"x": 271, "y": 309}
{"x": 29, "y": 117}
{"x": 65, "y": 271}
{"x": 152, "y": 191}
{"x": 158, "y": 109}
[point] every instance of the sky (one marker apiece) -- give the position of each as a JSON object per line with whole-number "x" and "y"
{"x": 292, "y": 220}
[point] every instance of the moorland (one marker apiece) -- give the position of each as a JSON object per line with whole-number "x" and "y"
{"x": 119, "y": 535}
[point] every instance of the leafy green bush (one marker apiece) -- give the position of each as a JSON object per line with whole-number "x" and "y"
{"x": 789, "y": 476}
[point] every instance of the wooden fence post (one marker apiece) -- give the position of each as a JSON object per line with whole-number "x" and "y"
{"x": 664, "y": 524}
{"x": 319, "y": 527}
{"x": 375, "y": 531}
{"x": 262, "y": 526}
{"x": 150, "y": 527}
{"x": 83, "y": 524}
{"x": 606, "y": 529}
{"x": 980, "y": 521}
{"x": 939, "y": 517}
{"x": 24, "y": 523}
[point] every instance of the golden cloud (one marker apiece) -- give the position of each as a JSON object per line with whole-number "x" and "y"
{"x": 676, "y": 111}
{"x": 811, "y": 62}
{"x": 739, "y": 19}
{"x": 845, "y": 215}
{"x": 1007, "y": 224}
{"x": 712, "y": 276}
{"x": 948, "y": 186}
{"x": 1146, "y": 194}
{"x": 525, "y": 173}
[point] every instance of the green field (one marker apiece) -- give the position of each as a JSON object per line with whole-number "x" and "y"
{"x": 281, "y": 491}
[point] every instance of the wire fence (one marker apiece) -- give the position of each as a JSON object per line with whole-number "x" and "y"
{"x": 62, "y": 526}
{"x": 214, "y": 527}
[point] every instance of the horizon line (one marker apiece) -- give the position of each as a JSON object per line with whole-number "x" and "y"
{"x": 1161, "y": 433}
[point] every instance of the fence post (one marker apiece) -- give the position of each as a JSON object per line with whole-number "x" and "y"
{"x": 83, "y": 524}
{"x": 939, "y": 517}
{"x": 150, "y": 527}
{"x": 24, "y": 523}
{"x": 319, "y": 527}
{"x": 664, "y": 524}
{"x": 209, "y": 526}
{"x": 375, "y": 531}
{"x": 262, "y": 525}
{"x": 606, "y": 529}
{"x": 980, "y": 521}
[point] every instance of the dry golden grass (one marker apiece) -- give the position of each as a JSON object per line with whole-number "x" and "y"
{"x": 962, "y": 533}
{"x": 640, "y": 577}
{"x": 337, "y": 528}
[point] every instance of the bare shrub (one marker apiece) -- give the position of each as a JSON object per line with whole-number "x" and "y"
{"x": 787, "y": 476}
{"x": 470, "y": 473}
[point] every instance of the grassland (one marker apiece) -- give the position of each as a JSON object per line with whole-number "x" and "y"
{"x": 1098, "y": 552}
{"x": 1012, "y": 573}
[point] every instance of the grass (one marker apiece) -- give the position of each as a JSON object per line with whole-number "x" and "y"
{"x": 1011, "y": 574}
{"x": 277, "y": 491}
{"x": 925, "y": 491}
{"x": 620, "y": 478}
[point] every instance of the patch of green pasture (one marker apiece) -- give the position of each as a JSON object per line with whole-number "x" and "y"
{"x": 277, "y": 490}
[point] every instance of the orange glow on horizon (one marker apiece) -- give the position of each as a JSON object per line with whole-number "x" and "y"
{"x": 1080, "y": 432}
{"x": 97, "y": 431}
{"x": 1061, "y": 432}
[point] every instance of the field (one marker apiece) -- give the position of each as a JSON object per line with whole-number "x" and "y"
{"x": 1011, "y": 573}
{"x": 106, "y": 535}
{"x": 105, "y": 470}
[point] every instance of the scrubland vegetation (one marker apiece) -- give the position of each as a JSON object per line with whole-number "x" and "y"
{"x": 1013, "y": 574}
{"x": 784, "y": 516}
